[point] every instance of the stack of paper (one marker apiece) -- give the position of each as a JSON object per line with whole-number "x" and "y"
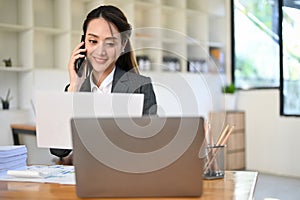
{"x": 12, "y": 158}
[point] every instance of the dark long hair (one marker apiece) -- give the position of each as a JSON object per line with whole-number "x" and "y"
{"x": 114, "y": 15}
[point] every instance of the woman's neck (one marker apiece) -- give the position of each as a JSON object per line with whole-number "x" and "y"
{"x": 98, "y": 77}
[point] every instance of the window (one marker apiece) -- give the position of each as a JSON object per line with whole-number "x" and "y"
{"x": 255, "y": 43}
{"x": 290, "y": 69}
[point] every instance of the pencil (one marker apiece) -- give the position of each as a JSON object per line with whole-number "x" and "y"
{"x": 227, "y": 136}
{"x": 222, "y": 135}
{"x": 214, "y": 153}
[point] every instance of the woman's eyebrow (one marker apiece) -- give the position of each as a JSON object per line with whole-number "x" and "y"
{"x": 93, "y": 35}
{"x": 111, "y": 38}
{"x": 107, "y": 38}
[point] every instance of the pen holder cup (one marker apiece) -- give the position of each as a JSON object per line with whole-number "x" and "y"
{"x": 214, "y": 162}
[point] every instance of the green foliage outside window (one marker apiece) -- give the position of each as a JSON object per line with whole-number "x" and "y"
{"x": 256, "y": 56}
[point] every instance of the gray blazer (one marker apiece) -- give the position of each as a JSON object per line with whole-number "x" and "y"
{"x": 123, "y": 82}
{"x": 129, "y": 82}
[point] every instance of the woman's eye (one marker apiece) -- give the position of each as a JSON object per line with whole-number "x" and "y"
{"x": 93, "y": 41}
{"x": 110, "y": 44}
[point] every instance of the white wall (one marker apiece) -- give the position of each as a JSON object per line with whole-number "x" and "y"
{"x": 41, "y": 79}
{"x": 187, "y": 94}
{"x": 272, "y": 141}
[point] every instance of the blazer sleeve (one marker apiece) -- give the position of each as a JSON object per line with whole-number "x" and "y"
{"x": 150, "y": 105}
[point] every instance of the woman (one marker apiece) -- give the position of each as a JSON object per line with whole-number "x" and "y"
{"x": 109, "y": 54}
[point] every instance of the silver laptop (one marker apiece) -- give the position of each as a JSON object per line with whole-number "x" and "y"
{"x": 138, "y": 157}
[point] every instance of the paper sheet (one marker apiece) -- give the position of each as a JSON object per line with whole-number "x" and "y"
{"x": 54, "y": 111}
{"x": 54, "y": 174}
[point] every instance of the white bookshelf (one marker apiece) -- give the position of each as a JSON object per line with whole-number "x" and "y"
{"x": 39, "y": 36}
{"x": 42, "y": 33}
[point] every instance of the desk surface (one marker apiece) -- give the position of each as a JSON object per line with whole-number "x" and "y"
{"x": 236, "y": 185}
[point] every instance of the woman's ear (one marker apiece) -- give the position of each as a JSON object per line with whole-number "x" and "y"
{"x": 124, "y": 43}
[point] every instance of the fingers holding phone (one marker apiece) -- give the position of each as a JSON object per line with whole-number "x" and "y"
{"x": 77, "y": 67}
{"x": 79, "y": 63}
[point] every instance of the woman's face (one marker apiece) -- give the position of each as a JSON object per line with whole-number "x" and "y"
{"x": 103, "y": 45}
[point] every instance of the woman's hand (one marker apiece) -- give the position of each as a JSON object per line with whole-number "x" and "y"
{"x": 75, "y": 80}
{"x": 68, "y": 160}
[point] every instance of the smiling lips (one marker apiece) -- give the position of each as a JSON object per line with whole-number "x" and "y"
{"x": 100, "y": 60}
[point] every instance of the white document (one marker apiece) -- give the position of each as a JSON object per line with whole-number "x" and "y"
{"x": 54, "y": 111}
{"x": 61, "y": 174}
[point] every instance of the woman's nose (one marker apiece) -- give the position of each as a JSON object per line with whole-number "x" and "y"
{"x": 100, "y": 49}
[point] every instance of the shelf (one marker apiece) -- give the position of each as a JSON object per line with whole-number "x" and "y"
{"x": 195, "y": 5}
{"x": 148, "y": 1}
{"x": 212, "y": 8}
{"x": 166, "y": 8}
{"x": 14, "y": 69}
{"x": 50, "y": 31}
{"x": 13, "y": 28}
{"x": 41, "y": 34}
{"x": 216, "y": 44}
{"x": 173, "y": 3}
{"x": 145, "y": 34}
{"x": 146, "y": 4}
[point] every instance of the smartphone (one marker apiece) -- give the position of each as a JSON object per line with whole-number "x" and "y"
{"x": 79, "y": 61}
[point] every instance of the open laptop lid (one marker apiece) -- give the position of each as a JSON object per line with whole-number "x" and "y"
{"x": 54, "y": 111}
{"x": 138, "y": 157}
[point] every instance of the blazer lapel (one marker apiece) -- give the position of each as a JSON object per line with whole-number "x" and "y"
{"x": 120, "y": 82}
{"x": 86, "y": 86}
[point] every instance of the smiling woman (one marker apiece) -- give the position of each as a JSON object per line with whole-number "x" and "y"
{"x": 110, "y": 57}
{"x": 111, "y": 64}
